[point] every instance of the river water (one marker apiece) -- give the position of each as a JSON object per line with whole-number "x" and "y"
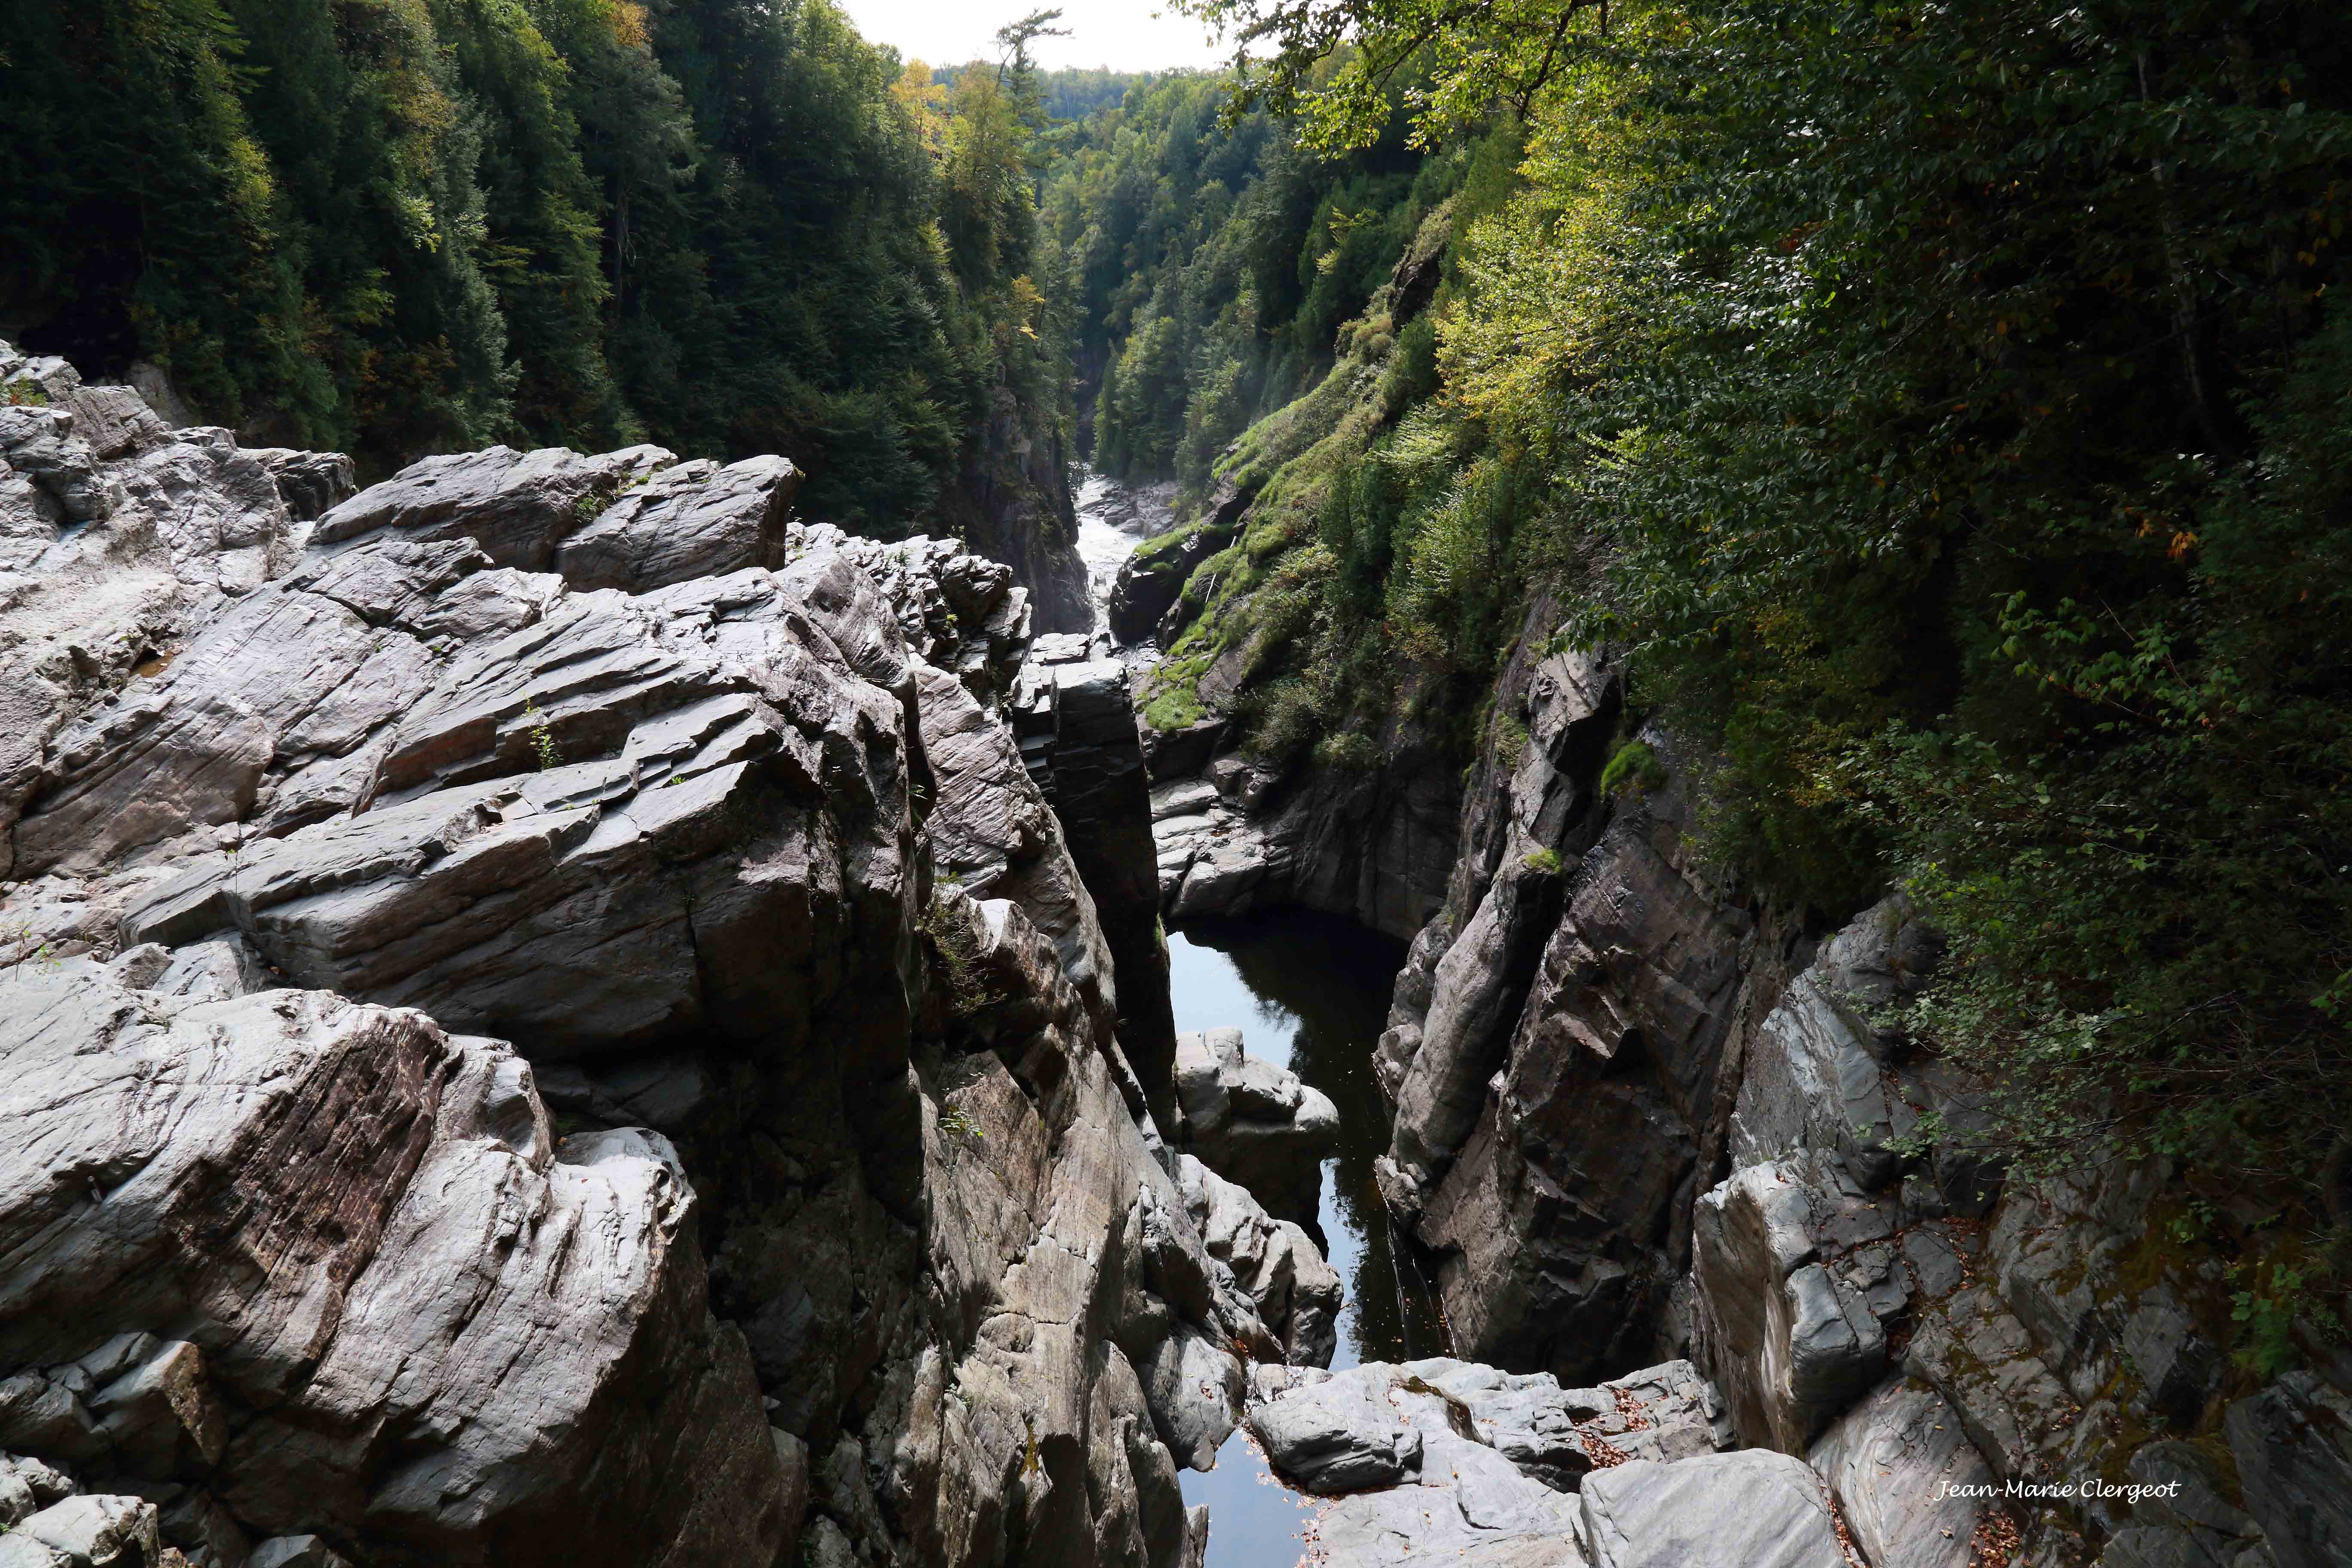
{"x": 1113, "y": 518}
{"x": 1310, "y": 991}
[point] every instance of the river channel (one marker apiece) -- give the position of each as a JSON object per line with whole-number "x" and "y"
{"x": 1310, "y": 991}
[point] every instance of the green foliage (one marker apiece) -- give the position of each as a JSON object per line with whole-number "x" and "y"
{"x": 542, "y": 739}
{"x": 2266, "y": 1315}
{"x": 1967, "y": 539}
{"x": 1632, "y": 768}
{"x": 1215, "y": 264}
{"x": 401, "y": 227}
{"x": 1544, "y": 860}
{"x": 965, "y": 982}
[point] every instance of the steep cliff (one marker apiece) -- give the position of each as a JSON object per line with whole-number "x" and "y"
{"x": 1641, "y": 1111}
{"x": 1011, "y": 501}
{"x": 800, "y": 1202}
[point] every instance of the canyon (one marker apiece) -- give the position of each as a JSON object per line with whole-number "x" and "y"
{"x": 559, "y": 1012}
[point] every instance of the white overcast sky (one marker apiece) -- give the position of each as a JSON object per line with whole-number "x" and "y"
{"x": 1125, "y": 35}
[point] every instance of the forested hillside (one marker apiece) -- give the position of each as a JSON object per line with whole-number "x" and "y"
{"x": 401, "y": 227}
{"x": 1945, "y": 412}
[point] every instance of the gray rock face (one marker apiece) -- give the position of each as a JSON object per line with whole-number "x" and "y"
{"x": 168, "y": 1142}
{"x": 311, "y": 484}
{"x": 1409, "y": 1484}
{"x": 1254, "y": 1122}
{"x": 1299, "y": 1294}
{"x": 1373, "y": 846}
{"x": 1443, "y": 1461}
{"x": 28, "y": 1486}
{"x": 1893, "y": 1462}
{"x": 1787, "y": 1322}
{"x": 1558, "y": 1435}
{"x": 118, "y": 537}
{"x": 85, "y": 1531}
{"x": 690, "y": 847}
{"x": 693, "y": 520}
{"x": 1754, "y": 1508}
{"x": 2293, "y": 1444}
{"x": 516, "y": 507}
{"x": 1564, "y": 1042}
{"x": 1012, "y": 504}
{"x": 1075, "y": 717}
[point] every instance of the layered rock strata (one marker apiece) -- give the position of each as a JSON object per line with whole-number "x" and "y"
{"x": 1254, "y": 1122}
{"x": 722, "y": 824}
{"x": 1075, "y": 716}
{"x": 1640, "y": 1108}
{"x": 1441, "y": 1461}
{"x": 1234, "y": 835}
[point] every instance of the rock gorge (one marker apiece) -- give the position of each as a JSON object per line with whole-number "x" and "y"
{"x": 559, "y": 1012}
{"x": 1645, "y": 1112}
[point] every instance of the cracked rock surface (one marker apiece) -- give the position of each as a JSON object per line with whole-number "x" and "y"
{"x": 848, "y": 1235}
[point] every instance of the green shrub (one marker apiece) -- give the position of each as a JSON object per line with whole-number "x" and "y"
{"x": 1633, "y": 769}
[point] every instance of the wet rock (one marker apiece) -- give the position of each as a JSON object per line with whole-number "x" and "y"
{"x": 1754, "y": 1508}
{"x": 1254, "y": 1122}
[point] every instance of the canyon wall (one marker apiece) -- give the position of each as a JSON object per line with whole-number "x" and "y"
{"x": 1642, "y": 1112}
{"x": 548, "y": 1020}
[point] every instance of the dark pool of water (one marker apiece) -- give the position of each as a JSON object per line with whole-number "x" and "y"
{"x": 1310, "y": 991}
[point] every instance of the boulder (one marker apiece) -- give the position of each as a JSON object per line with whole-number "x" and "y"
{"x": 1558, "y": 1435}
{"x": 1753, "y": 1508}
{"x": 85, "y": 1531}
{"x": 420, "y": 1257}
{"x": 693, "y": 520}
{"x": 311, "y": 484}
{"x": 27, "y": 1486}
{"x": 1894, "y": 1463}
{"x": 516, "y": 507}
{"x": 1343, "y": 1435}
{"x": 1254, "y": 1122}
{"x": 1299, "y": 1294}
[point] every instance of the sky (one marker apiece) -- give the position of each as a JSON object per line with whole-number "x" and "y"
{"x": 1125, "y": 35}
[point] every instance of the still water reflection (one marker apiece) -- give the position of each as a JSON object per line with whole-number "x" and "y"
{"x": 1310, "y": 991}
